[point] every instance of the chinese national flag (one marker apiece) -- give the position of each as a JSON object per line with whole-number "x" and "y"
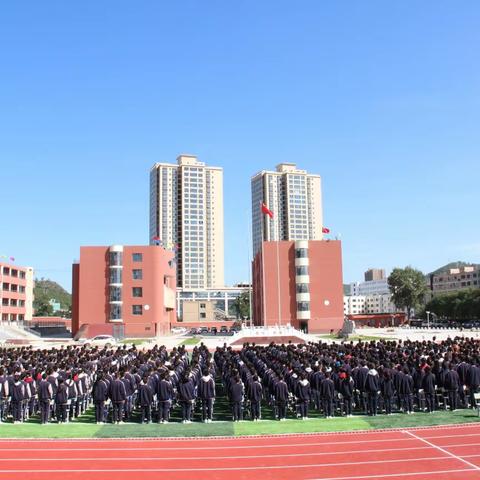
{"x": 325, "y": 230}
{"x": 266, "y": 210}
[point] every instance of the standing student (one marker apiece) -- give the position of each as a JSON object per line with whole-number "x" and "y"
{"x": 117, "y": 395}
{"x": 347, "y": 387}
{"x": 406, "y": 390}
{"x": 255, "y": 397}
{"x": 281, "y": 398}
{"x": 61, "y": 399}
{"x": 72, "y": 396}
{"x": 45, "y": 397}
{"x": 100, "y": 395}
{"x": 387, "y": 390}
{"x": 303, "y": 395}
{"x": 206, "y": 392}
{"x": 451, "y": 385}
{"x": 473, "y": 382}
{"x": 428, "y": 386}
{"x": 4, "y": 394}
{"x": 186, "y": 396}
{"x": 236, "y": 394}
{"x": 18, "y": 396}
{"x": 145, "y": 396}
{"x": 164, "y": 397}
{"x": 327, "y": 391}
{"x": 371, "y": 387}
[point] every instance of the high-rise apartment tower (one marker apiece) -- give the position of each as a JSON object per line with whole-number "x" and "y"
{"x": 295, "y": 198}
{"x": 186, "y": 215}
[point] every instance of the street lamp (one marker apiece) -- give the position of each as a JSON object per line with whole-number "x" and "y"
{"x": 428, "y": 319}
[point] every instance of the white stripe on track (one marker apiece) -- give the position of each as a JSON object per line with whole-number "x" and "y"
{"x": 450, "y": 454}
{"x": 225, "y": 469}
{"x": 388, "y": 475}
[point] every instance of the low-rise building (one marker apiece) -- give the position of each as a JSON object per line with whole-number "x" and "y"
{"x": 16, "y": 293}
{"x": 124, "y": 291}
{"x": 368, "y": 304}
{"x": 454, "y": 279}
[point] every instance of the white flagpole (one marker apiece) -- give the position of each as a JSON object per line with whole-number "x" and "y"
{"x": 278, "y": 285}
{"x": 264, "y": 302}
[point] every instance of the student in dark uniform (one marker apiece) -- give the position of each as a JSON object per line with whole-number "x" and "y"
{"x": 428, "y": 386}
{"x": 281, "y": 398}
{"x": 406, "y": 390}
{"x": 372, "y": 387}
{"x": 473, "y": 382}
{"x": 61, "y": 399}
{"x": 145, "y": 396}
{"x": 327, "y": 391}
{"x": 255, "y": 397}
{"x": 347, "y": 387}
{"x": 387, "y": 390}
{"x": 99, "y": 396}
{"x": 72, "y": 396}
{"x": 451, "y": 385}
{"x": 18, "y": 396}
{"x": 186, "y": 395}
{"x": 236, "y": 395}
{"x": 303, "y": 395}
{"x": 206, "y": 392}
{"x": 45, "y": 397}
{"x": 117, "y": 395}
{"x": 164, "y": 397}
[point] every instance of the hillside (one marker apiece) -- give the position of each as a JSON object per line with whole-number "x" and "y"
{"x": 448, "y": 266}
{"x": 47, "y": 289}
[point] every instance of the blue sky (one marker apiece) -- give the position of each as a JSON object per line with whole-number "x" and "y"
{"x": 380, "y": 98}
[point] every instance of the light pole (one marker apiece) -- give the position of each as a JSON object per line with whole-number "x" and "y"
{"x": 428, "y": 319}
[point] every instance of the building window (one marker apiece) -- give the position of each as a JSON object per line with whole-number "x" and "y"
{"x": 301, "y": 253}
{"x": 115, "y": 259}
{"x": 22, "y": 274}
{"x": 302, "y": 288}
{"x": 302, "y": 270}
{"x": 303, "y": 306}
{"x": 137, "y": 274}
{"x": 203, "y": 315}
{"x": 137, "y": 257}
{"x": 137, "y": 292}
{"x": 136, "y": 309}
{"x": 202, "y": 305}
{"x": 5, "y": 302}
{"x": 115, "y": 294}
{"x": 115, "y": 311}
{"x": 115, "y": 275}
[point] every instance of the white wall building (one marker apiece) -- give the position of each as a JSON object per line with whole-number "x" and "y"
{"x": 186, "y": 214}
{"x": 373, "y": 287}
{"x": 295, "y": 198}
{"x": 368, "y": 304}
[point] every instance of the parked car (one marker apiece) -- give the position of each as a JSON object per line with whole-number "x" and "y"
{"x": 213, "y": 330}
{"x": 194, "y": 331}
{"x": 179, "y": 330}
{"x": 100, "y": 341}
{"x": 224, "y": 329}
{"x": 203, "y": 331}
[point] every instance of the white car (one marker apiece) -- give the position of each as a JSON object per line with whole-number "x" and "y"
{"x": 101, "y": 341}
{"x": 179, "y": 330}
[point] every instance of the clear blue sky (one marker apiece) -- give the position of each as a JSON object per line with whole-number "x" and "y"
{"x": 380, "y": 98}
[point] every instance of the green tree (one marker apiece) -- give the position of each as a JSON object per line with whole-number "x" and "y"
{"x": 241, "y": 305}
{"x": 408, "y": 288}
{"x": 44, "y": 310}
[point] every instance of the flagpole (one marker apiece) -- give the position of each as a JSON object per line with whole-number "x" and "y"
{"x": 250, "y": 265}
{"x": 278, "y": 285}
{"x": 264, "y": 301}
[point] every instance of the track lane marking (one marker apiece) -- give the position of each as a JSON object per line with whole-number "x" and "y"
{"x": 452, "y": 455}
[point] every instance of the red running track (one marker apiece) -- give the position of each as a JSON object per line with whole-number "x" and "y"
{"x": 437, "y": 453}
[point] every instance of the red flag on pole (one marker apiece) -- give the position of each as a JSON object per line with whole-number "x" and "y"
{"x": 266, "y": 210}
{"x": 325, "y": 230}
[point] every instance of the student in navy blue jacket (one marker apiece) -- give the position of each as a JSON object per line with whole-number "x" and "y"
{"x": 387, "y": 390}
{"x": 327, "y": 392}
{"x": 236, "y": 396}
{"x": 428, "y": 386}
{"x": 255, "y": 396}
{"x": 61, "y": 399}
{"x": 303, "y": 395}
{"x": 186, "y": 396}
{"x": 117, "y": 395}
{"x": 281, "y": 398}
{"x": 405, "y": 389}
{"x": 473, "y": 382}
{"x": 145, "y": 397}
{"x": 206, "y": 392}
{"x": 347, "y": 386}
{"x": 99, "y": 396}
{"x": 451, "y": 385}
{"x": 372, "y": 387}
{"x": 165, "y": 396}
{"x": 45, "y": 396}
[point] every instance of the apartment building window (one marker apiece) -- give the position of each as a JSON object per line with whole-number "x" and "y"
{"x": 22, "y": 274}
{"x": 202, "y": 305}
{"x": 22, "y": 289}
{"x": 137, "y": 257}
{"x": 5, "y": 302}
{"x": 203, "y": 315}
{"x": 302, "y": 270}
{"x": 13, "y": 302}
{"x": 137, "y": 292}
{"x": 6, "y": 287}
{"x": 137, "y": 274}
{"x": 14, "y": 273}
{"x": 136, "y": 309}
{"x": 21, "y": 303}
{"x": 6, "y": 271}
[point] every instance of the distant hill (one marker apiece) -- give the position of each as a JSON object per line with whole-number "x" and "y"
{"x": 47, "y": 289}
{"x": 448, "y": 266}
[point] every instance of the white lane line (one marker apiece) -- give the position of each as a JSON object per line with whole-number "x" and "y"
{"x": 388, "y": 475}
{"x": 452, "y": 455}
{"x": 454, "y": 436}
{"x": 224, "y": 469}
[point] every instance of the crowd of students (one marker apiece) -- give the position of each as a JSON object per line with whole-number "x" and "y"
{"x": 332, "y": 379}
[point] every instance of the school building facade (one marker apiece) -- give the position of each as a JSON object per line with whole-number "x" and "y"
{"x": 124, "y": 291}
{"x": 299, "y": 283}
{"x": 16, "y": 293}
